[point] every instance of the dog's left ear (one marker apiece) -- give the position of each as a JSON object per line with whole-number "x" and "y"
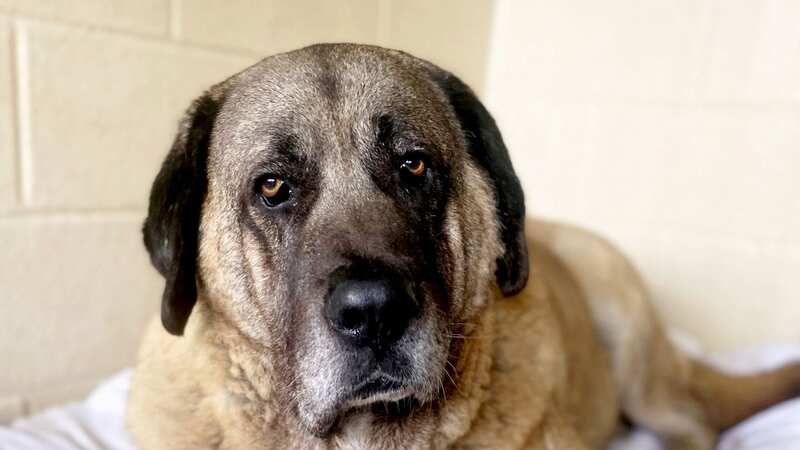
{"x": 173, "y": 219}
{"x": 485, "y": 145}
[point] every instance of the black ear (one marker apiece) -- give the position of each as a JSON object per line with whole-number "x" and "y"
{"x": 173, "y": 219}
{"x": 485, "y": 145}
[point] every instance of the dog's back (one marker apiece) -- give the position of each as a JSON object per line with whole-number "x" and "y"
{"x": 684, "y": 401}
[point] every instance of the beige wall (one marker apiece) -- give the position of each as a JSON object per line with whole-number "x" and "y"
{"x": 90, "y": 95}
{"x": 673, "y": 127}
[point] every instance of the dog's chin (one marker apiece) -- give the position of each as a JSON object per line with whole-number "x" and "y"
{"x": 318, "y": 422}
{"x": 382, "y": 396}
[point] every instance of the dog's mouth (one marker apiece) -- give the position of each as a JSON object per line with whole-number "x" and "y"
{"x": 384, "y": 395}
{"x": 391, "y": 388}
{"x": 378, "y": 388}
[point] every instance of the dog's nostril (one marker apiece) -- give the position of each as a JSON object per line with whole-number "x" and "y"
{"x": 373, "y": 313}
{"x": 351, "y": 319}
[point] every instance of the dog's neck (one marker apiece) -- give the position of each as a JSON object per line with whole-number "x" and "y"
{"x": 249, "y": 380}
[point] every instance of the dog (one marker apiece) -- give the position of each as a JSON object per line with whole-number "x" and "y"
{"x": 346, "y": 255}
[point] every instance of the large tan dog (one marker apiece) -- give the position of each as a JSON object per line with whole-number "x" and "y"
{"x": 338, "y": 227}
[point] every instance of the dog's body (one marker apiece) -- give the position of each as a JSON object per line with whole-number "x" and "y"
{"x": 553, "y": 366}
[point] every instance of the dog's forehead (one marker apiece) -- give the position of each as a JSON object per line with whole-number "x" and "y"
{"x": 328, "y": 92}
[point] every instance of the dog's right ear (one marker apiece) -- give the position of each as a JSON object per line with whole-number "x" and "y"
{"x": 173, "y": 219}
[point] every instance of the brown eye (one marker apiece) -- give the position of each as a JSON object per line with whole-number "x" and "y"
{"x": 415, "y": 167}
{"x": 274, "y": 191}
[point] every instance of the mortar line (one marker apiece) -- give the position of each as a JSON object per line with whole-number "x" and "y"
{"x": 76, "y": 216}
{"x": 13, "y": 120}
{"x": 384, "y": 22}
{"x": 22, "y": 103}
{"x": 149, "y": 38}
{"x": 175, "y": 31}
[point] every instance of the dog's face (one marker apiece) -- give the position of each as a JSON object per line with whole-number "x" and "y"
{"x": 345, "y": 208}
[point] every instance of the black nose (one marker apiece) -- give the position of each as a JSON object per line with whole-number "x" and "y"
{"x": 371, "y": 312}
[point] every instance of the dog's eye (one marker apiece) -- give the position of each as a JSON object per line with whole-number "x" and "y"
{"x": 274, "y": 191}
{"x": 414, "y": 166}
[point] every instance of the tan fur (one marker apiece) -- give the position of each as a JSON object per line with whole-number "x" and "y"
{"x": 539, "y": 371}
{"x": 551, "y": 368}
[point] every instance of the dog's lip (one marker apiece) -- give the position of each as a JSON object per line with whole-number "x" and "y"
{"x": 373, "y": 390}
{"x": 376, "y": 384}
{"x": 378, "y": 387}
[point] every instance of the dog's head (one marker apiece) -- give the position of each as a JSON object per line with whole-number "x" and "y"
{"x": 346, "y": 208}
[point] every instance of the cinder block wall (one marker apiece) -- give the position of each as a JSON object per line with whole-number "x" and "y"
{"x": 673, "y": 127}
{"x": 90, "y": 95}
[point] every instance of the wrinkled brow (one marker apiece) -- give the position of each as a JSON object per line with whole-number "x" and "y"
{"x": 281, "y": 155}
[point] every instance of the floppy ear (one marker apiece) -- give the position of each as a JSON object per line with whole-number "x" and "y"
{"x": 485, "y": 145}
{"x": 173, "y": 218}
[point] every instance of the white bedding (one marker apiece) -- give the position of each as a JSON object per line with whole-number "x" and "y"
{"x": 95, "y": 423}
{"x": 98, "y": 421}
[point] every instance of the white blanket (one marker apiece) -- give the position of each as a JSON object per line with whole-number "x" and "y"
{"x": 95, "y": 423}
{"x": 98, "y": 422}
